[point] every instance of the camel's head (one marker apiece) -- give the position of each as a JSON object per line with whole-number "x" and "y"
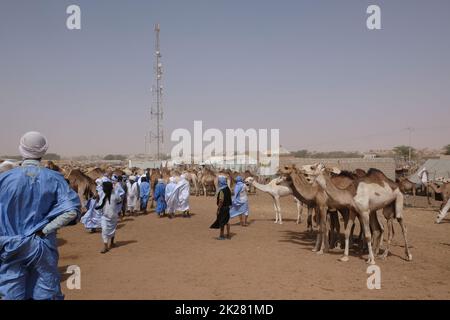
{"x": 249, "y": 181}
{"x": 314, "y": 173}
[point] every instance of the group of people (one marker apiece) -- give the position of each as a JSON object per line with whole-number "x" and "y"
{"x": 117, "y": 196}
{"x": 35, "y": 202}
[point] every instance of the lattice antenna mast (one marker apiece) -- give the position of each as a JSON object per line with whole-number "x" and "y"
{"x": 157, "y": 109}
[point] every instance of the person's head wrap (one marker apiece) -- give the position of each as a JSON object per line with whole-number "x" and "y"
{"x": 33, "y": 145}
{"x": 132, "y": 178}
{"x": 183, "y": 176}
{"x": 222, "y": 182}
{"x": 105, "y": 179}
{"x": 160, "y": 180}
{"x": 172, "y": 179}
{"x": 114, "y": 178}
{"x": 98, "y": 182}
{"x": 239, "y": 179}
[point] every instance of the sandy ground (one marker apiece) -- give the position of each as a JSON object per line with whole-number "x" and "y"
{"x": 180, "y": 259}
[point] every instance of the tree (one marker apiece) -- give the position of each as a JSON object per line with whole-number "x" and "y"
{"x": 403, "y": 151}
{"x": 51, "y": 156}
{"x": 447, "y": 150}
{"x": 301, "y": 153}
{"x": 111, "y": 157}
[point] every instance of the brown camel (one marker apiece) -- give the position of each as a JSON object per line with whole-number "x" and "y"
{"x": 406, "y": 187}
{"x": 364, "y": 196}
{"x": 82, "y": 184}
{"x": 208, "y": 180}
{"x": 95, "y": 173}
{"x": 444, "y": 191}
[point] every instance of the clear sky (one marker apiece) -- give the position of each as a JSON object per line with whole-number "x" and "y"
{"x": 310, "y": 68}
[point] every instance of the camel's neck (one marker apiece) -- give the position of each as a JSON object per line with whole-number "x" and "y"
{"x": 303, "y": 188}
{"x": 435, "y": 188}
{"x": 261, "y": 187}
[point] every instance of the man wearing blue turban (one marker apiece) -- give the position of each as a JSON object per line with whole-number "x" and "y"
{"x": 34, "y": 203}
{"x": 240, "y": 202}
{"x": 159, "y": 196}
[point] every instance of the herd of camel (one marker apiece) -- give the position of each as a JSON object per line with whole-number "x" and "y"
{"x": 329, "y": 192}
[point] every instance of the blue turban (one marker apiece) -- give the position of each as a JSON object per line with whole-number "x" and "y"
{"x": 222, "y": 182}
{"x": 239, "y": 179}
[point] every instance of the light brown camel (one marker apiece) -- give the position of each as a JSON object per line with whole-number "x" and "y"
{"x": 95, "y": 173}
{"x": 208, "y": 180}
{"x": 364, "y": 196}
{"x": 82, "y": 184}
{"x": 314, "y": 196}
{"x": 406, "y": 187}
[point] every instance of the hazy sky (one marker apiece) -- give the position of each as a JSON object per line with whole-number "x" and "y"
{"x": 310, "y": 68}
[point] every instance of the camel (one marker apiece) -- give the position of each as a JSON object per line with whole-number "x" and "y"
{"x": 406, "y": 186}
{"x": 95, "y": 173}
{"x": 208, "y": 180}
{"x": 314, "y": 196}
{"x": 7, "y": 165}
{"x": 277, "y": 189}
{"x": 81, "y": 183}
{"x": 364, "y": 196}
{"x": 444, "y": 191}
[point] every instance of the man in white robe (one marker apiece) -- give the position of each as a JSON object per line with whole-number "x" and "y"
{"x": 171, "y": 201}
{"x": 132, "y": 195}
{"x": 183, "y": 192}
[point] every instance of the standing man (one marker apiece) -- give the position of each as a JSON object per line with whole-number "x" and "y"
{"x": 144, "y": 194}
{"x": 223, "y": 209}
{"x": 171, "y": 202}
{"x": 159, "y": 196}
{"x": 34, "y": 203}
{"x": 423, "y": 175}
{"x": 240, "y": 202}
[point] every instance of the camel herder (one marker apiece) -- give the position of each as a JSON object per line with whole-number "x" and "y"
{"x": 110, "y": 215}
{"x": 170, "y": 203}
{"x": 144, "y": 189}
{"x": 180, "y": 197}
{"x": 240, "y": 202}
{"x": 159, "y": 196}
{"x": 34, "y": 203}
{"x": 92, "y": 218}
{"x": 132, "y": 195}
{"x": 223, "y": 208}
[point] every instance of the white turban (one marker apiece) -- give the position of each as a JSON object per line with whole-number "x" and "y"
{"x": 172, "y": 179}
{"x": 183, "y": 176}
{"x": 33, "y": 145}
{"x": 99, "y": 182}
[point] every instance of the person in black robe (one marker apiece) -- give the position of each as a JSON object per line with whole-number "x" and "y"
{"x": 223, "y": 209}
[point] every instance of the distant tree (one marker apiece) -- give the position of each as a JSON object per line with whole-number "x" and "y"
{"x": 301, "y": 153}
{"x": 447, "y": 150}
{"x": 12, "y": 157}
{"x": 403, "y": 151}
{"x": 111, "y": 157}
{"x": 51, "y": 156}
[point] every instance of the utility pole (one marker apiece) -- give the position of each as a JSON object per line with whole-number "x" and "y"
{"x": 410, "y": 129}
{"x": 157, "y": 110}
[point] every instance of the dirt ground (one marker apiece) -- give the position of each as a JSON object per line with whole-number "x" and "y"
{"x": 181, "y": 259}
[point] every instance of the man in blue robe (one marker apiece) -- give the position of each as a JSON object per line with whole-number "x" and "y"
{"x": 240, "y": 202}
{"x": 34, "y": 203}
{"x": 144, "y": 194}
{"x": 159, "y": 196}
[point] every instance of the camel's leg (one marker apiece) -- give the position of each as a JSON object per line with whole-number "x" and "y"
{"x": 204, "y": 190}
{"x": 377, "y": 231}
{"x": 277, "y": 201}
{"x": 390, "y": 227}
{"x": 414, "y": 196}
{"x": 348, "y": 230}
{"x": 428, "y": 195}
{"x": 299, "y": 211}
{"x": 276, "y": 209}
{"x": 404, "y": 231}
{"x": 309, "y": 226}
{"x": 321, "y": 243}
{"x": 366, "y": 222}
{"x": 399, "y": 205}
{"x": 334, "y": 228}
{"x": 444, "y": 211}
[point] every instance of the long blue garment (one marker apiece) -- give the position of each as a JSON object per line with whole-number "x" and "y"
{"x": 145, "y": 194}
{"x": 30, "y": 198}
{"x": 160, "y": 192}
{"x": 239, "y": 201}
{"x": 92, "y": 218}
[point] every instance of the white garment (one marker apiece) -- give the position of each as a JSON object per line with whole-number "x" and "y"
{"x": 183, "y": 192}
{"x": 423, "y": 174}
{"x": 171, "y": 201}
{"x": 33, "y": 145}
{"x": 132, "y": 196}
{"x": 110, "y": 217}
{"x": 443, "y": 213}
